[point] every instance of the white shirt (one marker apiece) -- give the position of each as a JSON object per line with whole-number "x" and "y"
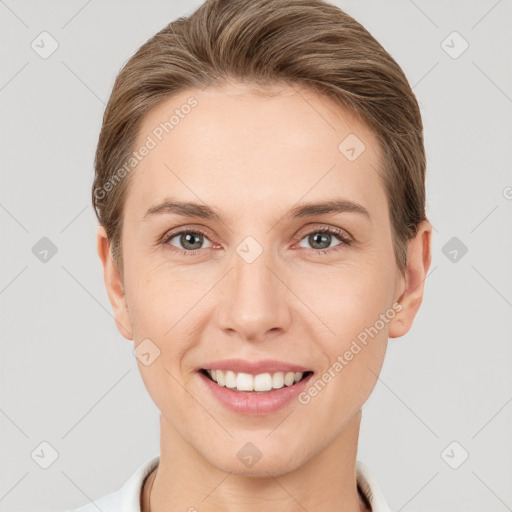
{"x": 127, "y": 499}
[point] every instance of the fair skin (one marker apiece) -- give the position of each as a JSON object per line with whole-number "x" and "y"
{"x": 252, "y": 159}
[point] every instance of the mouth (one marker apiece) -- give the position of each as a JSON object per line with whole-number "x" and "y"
{"x": 255, "y": 394}
{"x": 254, "y": 384}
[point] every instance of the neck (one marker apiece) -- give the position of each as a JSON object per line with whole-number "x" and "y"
{"x": 324, "y": 482}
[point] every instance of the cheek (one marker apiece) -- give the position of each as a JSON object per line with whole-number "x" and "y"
{"x": 156, "y": 304}
{"x": 349, "y": 299}
{"x": 357, "y": 310}
{"x": 354, "y": 304}
{"x": 162, "y": 377}
{"x": 155, "y": 299}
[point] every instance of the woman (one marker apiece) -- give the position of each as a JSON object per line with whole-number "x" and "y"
{"x": 260, "y": 189}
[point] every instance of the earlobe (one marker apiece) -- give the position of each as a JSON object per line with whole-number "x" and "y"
{"x": 418, "y": 263}
{"x": 113, "y": 284}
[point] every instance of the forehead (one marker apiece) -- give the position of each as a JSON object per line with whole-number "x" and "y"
{"x": 234, "y": 147}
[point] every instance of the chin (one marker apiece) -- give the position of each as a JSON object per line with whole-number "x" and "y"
{"x": 250, "y": 461}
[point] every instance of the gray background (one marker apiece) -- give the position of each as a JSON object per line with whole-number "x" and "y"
{"x": 70, "y": 379}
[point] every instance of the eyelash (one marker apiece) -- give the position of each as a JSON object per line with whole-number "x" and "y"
{"x": 341, "y": 235}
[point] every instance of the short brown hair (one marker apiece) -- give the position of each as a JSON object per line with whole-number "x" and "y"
{"x": 310, "y": 43}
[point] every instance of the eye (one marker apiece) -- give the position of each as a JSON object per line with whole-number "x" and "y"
{"x": 189, "y": 240}
{"x": 320, "y": 239}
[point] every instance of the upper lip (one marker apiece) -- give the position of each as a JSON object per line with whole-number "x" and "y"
{"x": 253, "y": 367}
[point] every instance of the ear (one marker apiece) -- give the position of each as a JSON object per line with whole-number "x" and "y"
{"x": 113, "y": 284}
{"x": 418, "y": 262}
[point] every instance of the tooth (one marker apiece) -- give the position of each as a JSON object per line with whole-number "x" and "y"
{"x": 259, "y": 383}
{"x": 289, "y": 378}
{"x": 278, "y": 380}
{"x": 230, "y": 379}
{"x": 263, "y": 382}
{"x": 245, "y": 382}
{"x": 221, "y": 381}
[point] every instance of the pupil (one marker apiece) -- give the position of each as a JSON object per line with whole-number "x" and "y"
{"x": 324, "y": 238}
{"x": 186, "y": 240}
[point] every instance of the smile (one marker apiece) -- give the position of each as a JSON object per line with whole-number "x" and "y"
{"x": 240, "y": 381}
{"x": 256, "y": 401}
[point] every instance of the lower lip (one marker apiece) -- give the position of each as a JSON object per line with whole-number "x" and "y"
{"x": 252, "y": 403}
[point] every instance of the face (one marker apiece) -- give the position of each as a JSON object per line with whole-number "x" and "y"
{"x": 255, "y": 275}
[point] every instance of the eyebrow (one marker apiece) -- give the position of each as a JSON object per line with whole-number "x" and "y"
{"x": 192, "y": 209}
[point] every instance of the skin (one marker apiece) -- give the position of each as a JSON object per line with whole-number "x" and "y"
{"x": 252, "y": 158}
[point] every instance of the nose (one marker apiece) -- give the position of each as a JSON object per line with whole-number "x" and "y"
{"x": 254, "y": 299}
